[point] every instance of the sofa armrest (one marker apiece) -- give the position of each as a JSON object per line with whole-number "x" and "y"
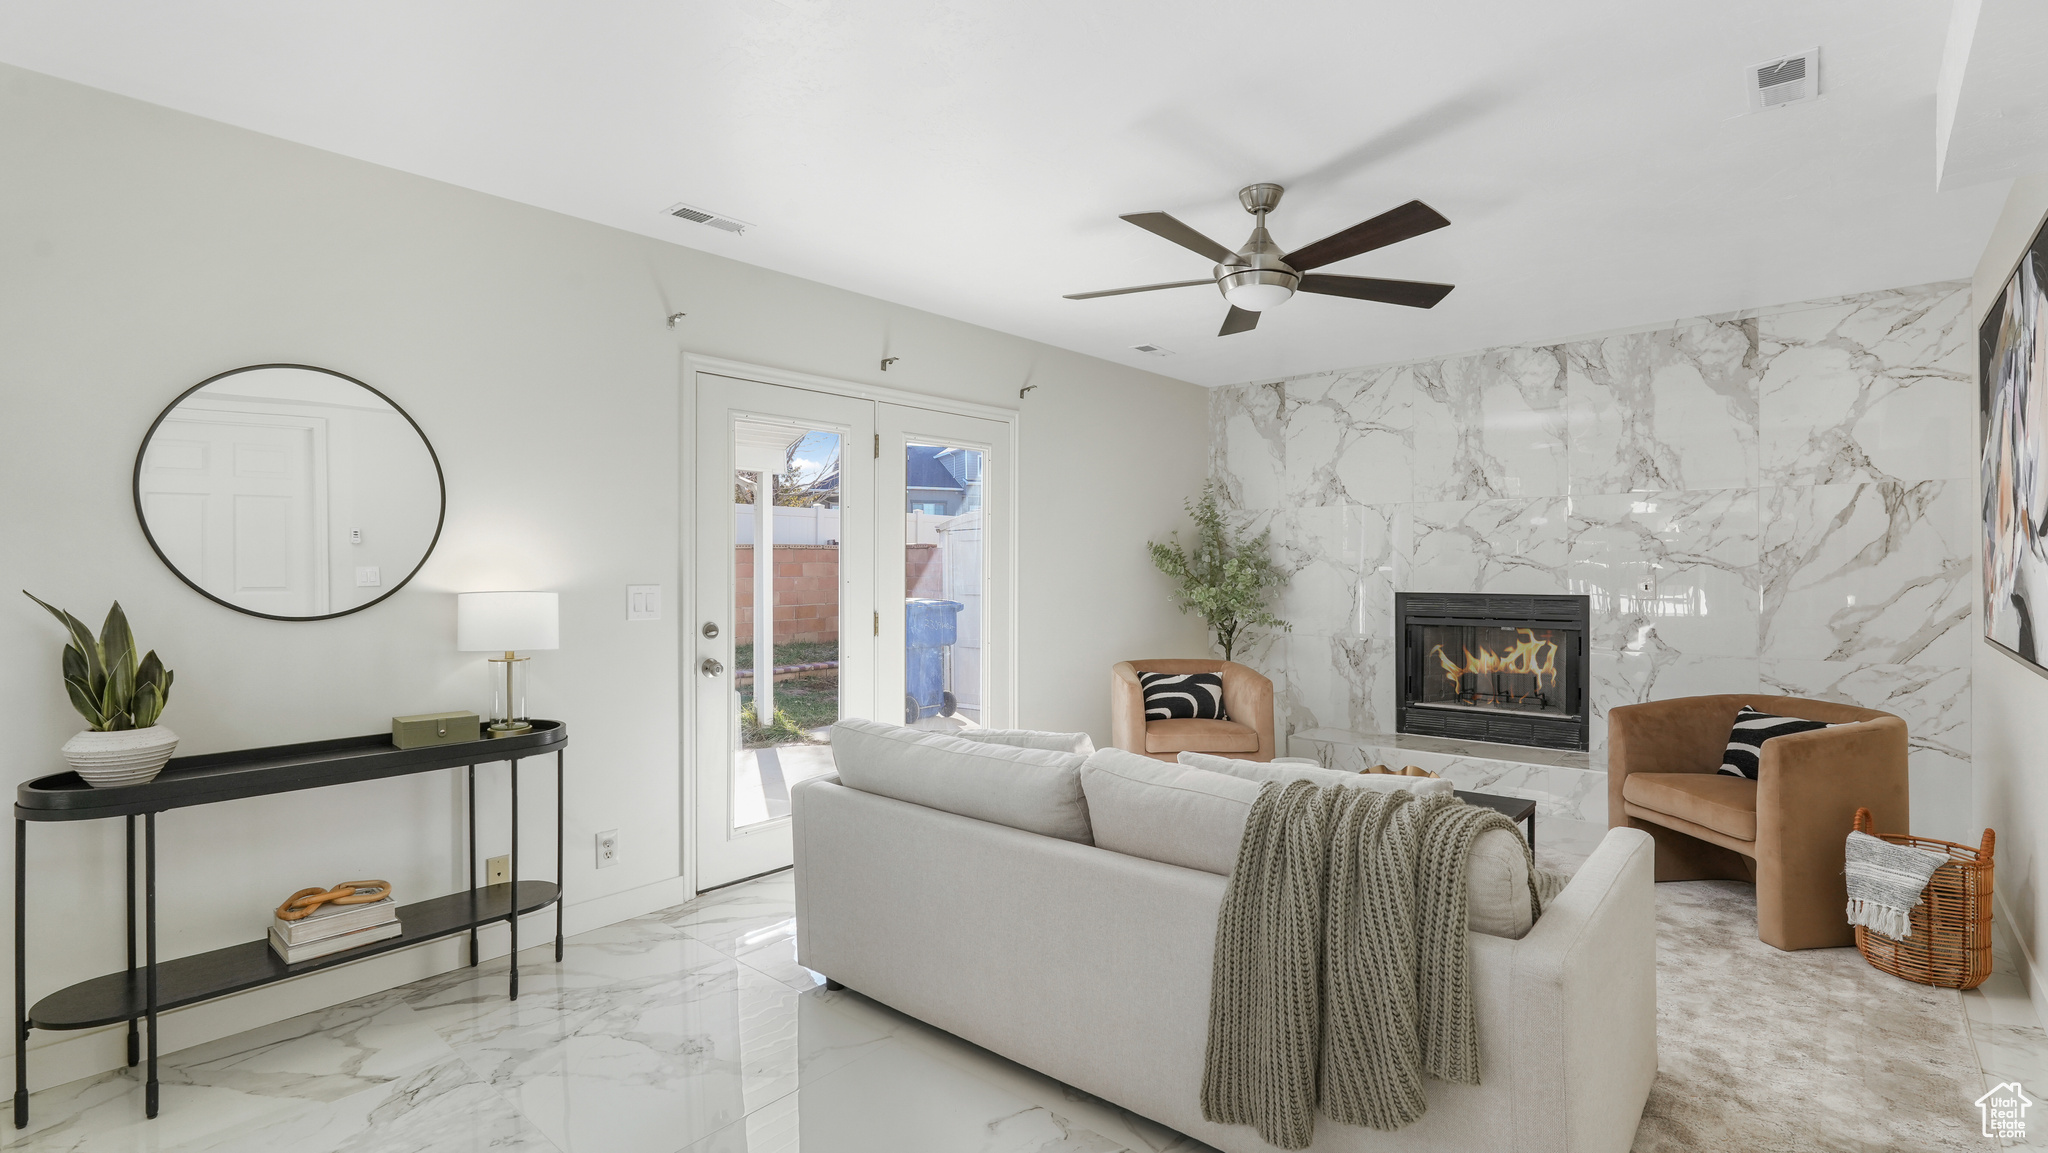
{"x": 1585, "y": 996}
{"x": 1248, "y": 698}
{"x": 1809, "y": 786}
{"x": 1126, "y": 708}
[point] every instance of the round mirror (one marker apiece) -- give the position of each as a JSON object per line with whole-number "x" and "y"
{"x": 289, "y": 492}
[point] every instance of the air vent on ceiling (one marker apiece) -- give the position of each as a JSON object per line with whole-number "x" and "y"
{"x": 1151, "y": 350}
{"x": 699, "y": 216}
{"x": 1793, "y": 79}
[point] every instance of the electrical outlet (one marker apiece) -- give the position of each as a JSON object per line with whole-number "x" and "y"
{"x": 607, "y": 848}
{"x": 497, "y": 870}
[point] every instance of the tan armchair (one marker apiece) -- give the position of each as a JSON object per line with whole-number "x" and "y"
{"x": 1783, "y": 831}
{"x": 1247, "y": 698}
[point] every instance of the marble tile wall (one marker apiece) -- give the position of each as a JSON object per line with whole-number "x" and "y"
{"x": 1794, "y": 483}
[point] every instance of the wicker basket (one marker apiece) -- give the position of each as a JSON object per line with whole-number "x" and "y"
{"x": 1951, "y": 941}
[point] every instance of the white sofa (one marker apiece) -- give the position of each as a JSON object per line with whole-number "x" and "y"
{"x": 1093, "y": 967}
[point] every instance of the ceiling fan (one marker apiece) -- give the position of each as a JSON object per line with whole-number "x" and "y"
{"x": 1262, "y": 275}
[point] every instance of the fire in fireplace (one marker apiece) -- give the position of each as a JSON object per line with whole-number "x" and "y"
{"x": 1492, "y": 667}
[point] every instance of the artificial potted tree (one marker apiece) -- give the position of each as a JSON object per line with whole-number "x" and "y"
{"x": 120, "y": 696}
{"x": 1227, "y": 577}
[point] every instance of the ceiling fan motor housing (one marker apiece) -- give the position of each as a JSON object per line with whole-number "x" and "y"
{"x": 1258, "y": 278}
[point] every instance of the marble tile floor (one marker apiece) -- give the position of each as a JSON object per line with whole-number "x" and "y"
{"x": 2010, "y": 1042}
{"x": 692, "y": 1030}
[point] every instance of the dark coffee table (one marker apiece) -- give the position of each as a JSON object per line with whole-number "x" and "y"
{"x": 1516, "y": 808}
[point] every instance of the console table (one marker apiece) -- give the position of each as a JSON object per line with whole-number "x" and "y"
{"x": 140, "y": 992}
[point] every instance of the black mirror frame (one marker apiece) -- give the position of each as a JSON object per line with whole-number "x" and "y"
{"x": 440, "y": 480}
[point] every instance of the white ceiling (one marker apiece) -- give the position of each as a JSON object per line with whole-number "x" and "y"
{"x": 971, "y": 157}
{"x": 1991, "y": 100}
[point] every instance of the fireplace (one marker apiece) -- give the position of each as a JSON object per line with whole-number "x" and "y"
{"x": 1493, "y": 667}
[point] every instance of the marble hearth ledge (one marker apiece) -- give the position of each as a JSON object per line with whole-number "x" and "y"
{"x": 1563, "y": 783}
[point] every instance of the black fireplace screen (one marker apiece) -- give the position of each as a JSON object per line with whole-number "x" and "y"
{"x": 1493, "y": 667}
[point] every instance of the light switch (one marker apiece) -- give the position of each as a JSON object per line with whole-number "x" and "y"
{"x": 643, "y": 602}
{"x": 367, "y": 576}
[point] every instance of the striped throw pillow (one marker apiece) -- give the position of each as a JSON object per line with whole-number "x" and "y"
{"x": 1183, "y": 696}
{"x": 1752, "y": 729}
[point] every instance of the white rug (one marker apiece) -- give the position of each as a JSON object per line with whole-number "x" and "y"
{"x": 1759, "y": 1049}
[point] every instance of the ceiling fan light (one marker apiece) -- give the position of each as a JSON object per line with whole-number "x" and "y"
{"x": 1256, "y": 289}
{"x": 1257, "y": 296}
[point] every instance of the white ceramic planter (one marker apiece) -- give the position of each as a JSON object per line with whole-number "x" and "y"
{"x": 128, "y": 757}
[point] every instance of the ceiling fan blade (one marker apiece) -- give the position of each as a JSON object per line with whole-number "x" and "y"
{"x": 1391, "y": 227}
{"x": 1413, "y": 293}
{"x": 1160, "y": 224}
{"x": 1238, "y": 320}
{"x": 1140, "y": 288}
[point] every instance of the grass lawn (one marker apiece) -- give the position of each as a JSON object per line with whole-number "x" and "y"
{"x": 796, "y": 653}
{"x": 802, "y": 704}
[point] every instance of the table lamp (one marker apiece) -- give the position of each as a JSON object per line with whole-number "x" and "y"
{"x": 507, "y": 622}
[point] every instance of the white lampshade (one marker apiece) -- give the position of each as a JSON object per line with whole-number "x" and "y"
{"x": 507, "y": 622}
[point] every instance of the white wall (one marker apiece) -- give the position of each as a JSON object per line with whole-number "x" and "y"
{"x": 142, "y": 250}
{"x": 2012, "y": 699}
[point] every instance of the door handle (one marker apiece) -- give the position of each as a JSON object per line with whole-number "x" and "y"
{"x": 711, "y": 667}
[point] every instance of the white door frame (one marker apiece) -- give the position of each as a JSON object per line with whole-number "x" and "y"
{"x": 686, "y": 583}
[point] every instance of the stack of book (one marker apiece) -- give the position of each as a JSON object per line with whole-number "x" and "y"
{"x": 333, "y": 929}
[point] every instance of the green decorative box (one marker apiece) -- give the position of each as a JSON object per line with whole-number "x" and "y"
{"x": 434, "y": 729}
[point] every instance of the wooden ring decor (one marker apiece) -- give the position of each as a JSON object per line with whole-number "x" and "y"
{"x": 1410, "y": 771}
{"x": 302, "y": 903}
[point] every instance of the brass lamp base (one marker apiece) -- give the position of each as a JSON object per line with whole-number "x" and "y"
{"x": 509, "y": 728}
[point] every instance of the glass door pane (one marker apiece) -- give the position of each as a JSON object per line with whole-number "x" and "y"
{"x": 785, "y": 681}
{"x": 943, "y": 569}
{"x": 945, "y": 651}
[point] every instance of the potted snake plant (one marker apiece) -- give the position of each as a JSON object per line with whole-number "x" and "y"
{"x": 120, "y": 696}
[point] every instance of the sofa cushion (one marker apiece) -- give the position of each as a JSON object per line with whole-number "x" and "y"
{"x": 1284, "y": 772}
{"x": 1497, "y": 885}
{"x": 1080, "y": 743}
{"x": 1182, "y": 816}
{"x": 1036, "y": 790}
{"x": 1192, "y": 817}
{"x": 1200, "y": 736}
{"x": 1722, "y": 803}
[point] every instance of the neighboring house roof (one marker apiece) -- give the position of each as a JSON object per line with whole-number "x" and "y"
{"x": 927, "y": 466}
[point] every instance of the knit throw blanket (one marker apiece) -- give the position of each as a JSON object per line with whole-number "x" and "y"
{"x": 1342, "y": 973}
{"x": 1885, "y": 882}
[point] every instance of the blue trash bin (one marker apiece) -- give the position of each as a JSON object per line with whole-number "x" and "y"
{"x": 929, "y": 629}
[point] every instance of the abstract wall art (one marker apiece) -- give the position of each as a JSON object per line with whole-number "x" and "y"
{"x": 2012, "y": 379}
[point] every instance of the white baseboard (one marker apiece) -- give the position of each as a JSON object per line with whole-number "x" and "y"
{"x": 58, "y": 1058}
{"x": 2030, "y": 966}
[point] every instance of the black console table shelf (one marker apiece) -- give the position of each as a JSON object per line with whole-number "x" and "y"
{"x": 148, "y": 986}
{"x": 119, "y": 997}
{"x": 211, "y": 777}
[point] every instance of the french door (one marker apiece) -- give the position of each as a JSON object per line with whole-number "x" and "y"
{"x": 783, "y": 637}
{"x": 851, "y": 559}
